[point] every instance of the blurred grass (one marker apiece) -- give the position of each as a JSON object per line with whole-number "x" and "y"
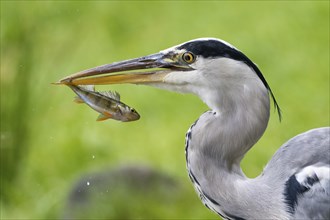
{"x": 47, "y": 141}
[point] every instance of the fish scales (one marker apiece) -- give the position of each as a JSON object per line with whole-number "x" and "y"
{"x": 106, "y": 103}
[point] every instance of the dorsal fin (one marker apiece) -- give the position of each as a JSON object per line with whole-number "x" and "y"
{"x": 111, "y": 94}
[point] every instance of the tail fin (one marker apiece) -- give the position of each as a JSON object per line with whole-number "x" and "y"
{"x": 78, "y": 100}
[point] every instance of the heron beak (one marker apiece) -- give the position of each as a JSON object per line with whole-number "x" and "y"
{"x": 143, "y": 70}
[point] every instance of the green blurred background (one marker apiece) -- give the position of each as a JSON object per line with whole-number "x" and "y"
{"x": 48, "y": 143}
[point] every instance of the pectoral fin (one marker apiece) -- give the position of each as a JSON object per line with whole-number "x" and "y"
{"x": 103, "y": 117}
{"x": 78, "y": 100}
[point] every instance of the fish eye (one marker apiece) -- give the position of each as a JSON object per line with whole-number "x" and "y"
{"x": 133, "y": 110}
{"x": 188, "y": 57}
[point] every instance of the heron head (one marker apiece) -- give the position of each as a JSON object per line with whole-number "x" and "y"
{"x": 202, "y": 66}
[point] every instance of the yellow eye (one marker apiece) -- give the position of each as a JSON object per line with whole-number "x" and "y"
{"x": 188, "y": 57}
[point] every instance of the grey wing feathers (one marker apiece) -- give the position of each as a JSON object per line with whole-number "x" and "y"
{"x": 307, "y": 193}
{"x": 311, "y": 147}
{"x": 303, "y": 166}
{"x": 314, "y": 203}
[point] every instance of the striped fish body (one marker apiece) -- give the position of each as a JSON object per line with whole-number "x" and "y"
{"x": 108, "y": 104}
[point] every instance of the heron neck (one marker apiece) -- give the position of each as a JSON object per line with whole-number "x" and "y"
{"x": 222, "y": 138}
{"x": 240, "y": 117}
{"x": 218, "y": 142}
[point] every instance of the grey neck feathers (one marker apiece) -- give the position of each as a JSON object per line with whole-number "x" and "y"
{"x": 219, "y": 141}
{"x": 240, "y": 117}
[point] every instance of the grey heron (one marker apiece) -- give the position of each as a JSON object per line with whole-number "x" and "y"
{"x": 295, "y": 184}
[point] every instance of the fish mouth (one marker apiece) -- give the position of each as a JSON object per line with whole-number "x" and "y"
{"x": 143, "y": 70}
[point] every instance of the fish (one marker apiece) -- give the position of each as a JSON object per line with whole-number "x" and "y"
{"x": 107, "y": 103}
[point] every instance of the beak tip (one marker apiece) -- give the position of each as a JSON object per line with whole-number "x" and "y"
{"x": 65, "y": 81}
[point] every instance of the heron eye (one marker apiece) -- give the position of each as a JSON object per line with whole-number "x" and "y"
{"x": 188, "y": 57}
